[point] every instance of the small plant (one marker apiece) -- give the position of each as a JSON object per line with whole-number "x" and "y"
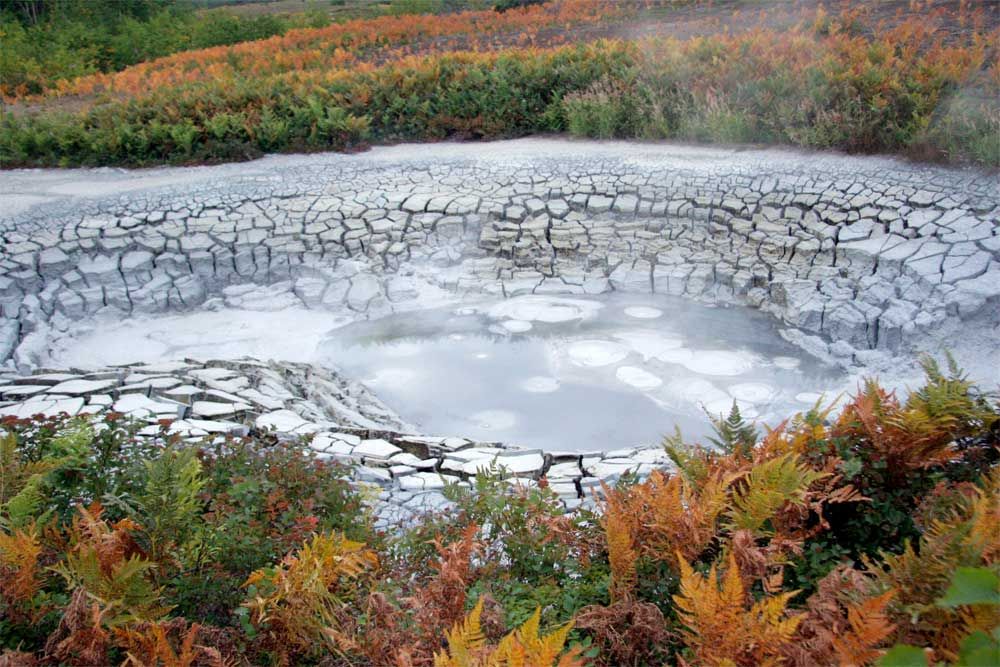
{"x": 721, "y": 626}
{"x": 294, "y": 603}
{"x": 733, "y": 435}
{"x": 525, "y": 646}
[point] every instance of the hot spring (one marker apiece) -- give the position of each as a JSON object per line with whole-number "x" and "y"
{"x": 579, "y": 373}
{"x": 560, "y": 296}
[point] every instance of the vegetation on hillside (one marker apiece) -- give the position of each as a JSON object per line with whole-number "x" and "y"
{"x": 870, "y": 536}
{"x": 45, "y": 42}
{"x": 913, "y": 88}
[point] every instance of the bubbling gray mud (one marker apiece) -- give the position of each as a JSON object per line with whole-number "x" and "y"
{"x": 276, "y": 272}
{"x": 865, "y": 263}
{"x": 580, "y": 374}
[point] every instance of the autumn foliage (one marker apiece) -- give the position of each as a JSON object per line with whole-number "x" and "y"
{"x": 347, "y": 45}
{"x": 758, "y": 550}
{"x": 843, "y": 81}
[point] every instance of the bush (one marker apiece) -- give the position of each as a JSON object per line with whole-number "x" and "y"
{"x": 507, "y": 5}
{"x": 74, "y": 39}
{"x": 756, "y": 550}
{"x": 193, "y": 523}
{"x": 901, "y": 90}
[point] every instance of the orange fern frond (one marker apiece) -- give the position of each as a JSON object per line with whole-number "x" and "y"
{"x": 524, "y": 647}
{"x": 293, "y": 603}
{"x": 81, "y": 636}
{"x": 465, "y": 641}
{"x": 666, "y": 514}
{"x": 869, "y": 627}
{"x": 19, "y": 552}
{"x": 622, "y": 556}
{"x": 920, "y": 575}
{"x": 719, "y": 626}
{"x": 148, "y": 644}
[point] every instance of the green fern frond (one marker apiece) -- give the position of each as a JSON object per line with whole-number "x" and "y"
{"x": 27, "y": 506}
{"x": 170, "y": 503}
{"x": 125, "y": 587}
{"x": 72, "y": 443}
{"x": 734, "y": 435}
{"x": 949, "y": 401}
{"x": 768, "y": 486}
{"x": 691, "y": 460}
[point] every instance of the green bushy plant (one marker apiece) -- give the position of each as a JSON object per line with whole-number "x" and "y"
{"x": 507, "y": 5}
{"x": 200, "y": 519}
{"x": 69, "y": 39}
{"x": 746, "y": 551}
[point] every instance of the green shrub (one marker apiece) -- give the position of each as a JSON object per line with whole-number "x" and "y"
{"x": 81, "y": 38}
{"x": 507, "y": 5}
{"x": 901, "y": 91}
{"x": 207, "y": 517}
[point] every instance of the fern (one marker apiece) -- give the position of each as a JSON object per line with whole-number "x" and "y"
{"x": 150, "y": 644}
{"x": 294, "y": 602}
{"x": 412, "y": 634}
{"x": 126, "y": 586}
{"x": 622, "y": 556}
{"x": 524, "y": 647}
{"x": 627, "y": 633}
{"x": 921, "y": 575}
{"x": 768, "y": 487}
{"x": 721, "y": 628}
{"x": 12, "y": 475}
{"x": 692, "y": 461}
{"x": 81, "y": 637}
{"x": 72, "y": 443}
{"x": 666, "y": 514}
{"x": 465, "y": 641}
{"x": 24, "y": 475}
{"x": 951, "y": 400}
{"x": 844, "y": 623}
{"x": 440, "y": 602}
{"x": 27, "y": 505}
{"x": 21, "y": 485}
{"x": 19, "y": 570}
{"x": 106, "y": 563}
{"x": 868, "y": 627}
{"x": 169, "y": 505}
{"x": 733, "y": 435}
{"x": 921, "y": 433}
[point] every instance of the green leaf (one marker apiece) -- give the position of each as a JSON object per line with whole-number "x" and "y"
{"x": 27, "y": 505}
{"x": 978, "y": 649}
{"x": 972, "y": 585}
{"x": 902, "y": 655}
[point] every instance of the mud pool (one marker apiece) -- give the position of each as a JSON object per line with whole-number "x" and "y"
{"x": 579, "y": 373}
{"x": 386, "y": 271}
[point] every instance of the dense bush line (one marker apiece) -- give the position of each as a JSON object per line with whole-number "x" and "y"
{"x": 66, "y": 40}
{"x": 339, "y": 46}
{"x": 905, "y": 89}
{"x": 827, "y": 541}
